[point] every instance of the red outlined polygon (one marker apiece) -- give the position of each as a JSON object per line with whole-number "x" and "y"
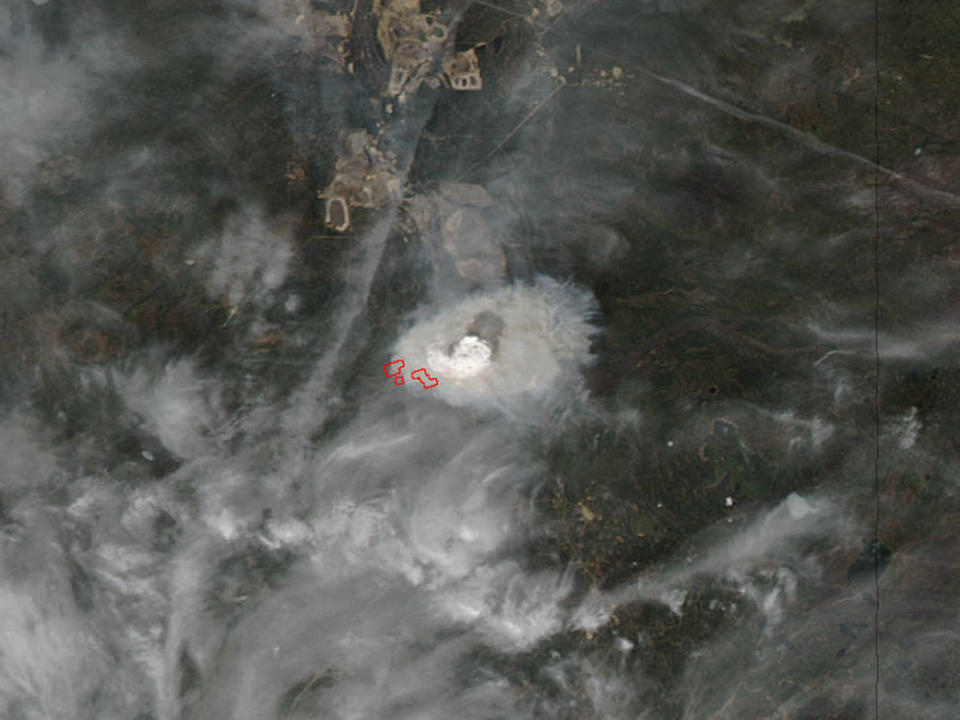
{"x": 395, "y": 373}
{"x": 424, "y": 378}
{"x": 394, "y": 369}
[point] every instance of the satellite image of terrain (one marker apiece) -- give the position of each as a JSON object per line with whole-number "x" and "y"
{"x": 479, "y": 360}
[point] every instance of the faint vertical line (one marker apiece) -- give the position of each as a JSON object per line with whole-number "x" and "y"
{"x": 876, "y": 349}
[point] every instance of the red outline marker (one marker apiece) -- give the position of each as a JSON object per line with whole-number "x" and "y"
{"x": 421, "y": 373}
{"x": 397, "y": 374}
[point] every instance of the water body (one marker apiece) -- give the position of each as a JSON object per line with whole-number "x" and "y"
{"x": 658, "y": 476}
